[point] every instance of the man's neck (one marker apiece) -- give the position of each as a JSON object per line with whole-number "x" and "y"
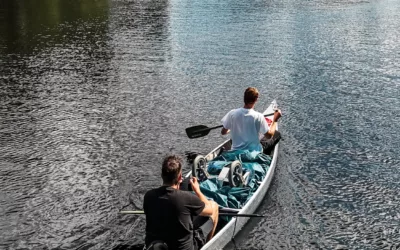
{"x": 176, "y": 186}
{"x": 249, "y": 105}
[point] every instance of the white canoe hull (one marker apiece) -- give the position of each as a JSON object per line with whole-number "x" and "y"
{"x": 223, "y": 237}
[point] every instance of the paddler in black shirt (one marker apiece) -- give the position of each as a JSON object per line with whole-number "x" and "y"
{"x": 170, "y": 212}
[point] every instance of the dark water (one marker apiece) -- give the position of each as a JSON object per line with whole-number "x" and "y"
{"x": 94, "y": 93}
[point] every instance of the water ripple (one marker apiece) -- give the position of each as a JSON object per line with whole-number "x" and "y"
{"x": 94, "y": 94}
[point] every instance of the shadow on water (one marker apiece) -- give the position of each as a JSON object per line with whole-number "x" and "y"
{"x": 28, "y": 26}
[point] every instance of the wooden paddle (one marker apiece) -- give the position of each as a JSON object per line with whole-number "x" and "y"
{"x": 221, "y": 214}
{"x": 203, "y": 130}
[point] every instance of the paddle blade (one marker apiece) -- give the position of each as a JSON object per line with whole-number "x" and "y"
{"x": 197, "y": 131}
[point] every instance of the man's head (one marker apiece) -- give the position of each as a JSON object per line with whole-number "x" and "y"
{"x": 250, "y": 95}
{"x": 171, "y": 171}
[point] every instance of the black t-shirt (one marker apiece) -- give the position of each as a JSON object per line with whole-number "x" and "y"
{"x": 169, "y": 216}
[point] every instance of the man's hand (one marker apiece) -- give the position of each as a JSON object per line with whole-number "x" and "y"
{"x": 210, "y": 207}
{"x": 277, "y": 115}
{"x": 195, "y": 184}
{"x": 224, "y": 131}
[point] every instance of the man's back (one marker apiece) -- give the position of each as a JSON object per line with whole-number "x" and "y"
{"x": 246, "y": 126}
{"x": 169, "y": 216}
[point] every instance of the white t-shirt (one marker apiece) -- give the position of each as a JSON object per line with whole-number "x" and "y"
{"x": 247, "y": 127}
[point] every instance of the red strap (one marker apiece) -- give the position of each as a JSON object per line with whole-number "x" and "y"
{"x": 269, "y": 121}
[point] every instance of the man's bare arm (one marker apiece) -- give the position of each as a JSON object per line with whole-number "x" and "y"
{"x": 209, "y": 205}
{"x": 210, "y": 209}
{"x": 272, "y": 128}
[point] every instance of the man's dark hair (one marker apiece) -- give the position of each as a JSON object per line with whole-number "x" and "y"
{"x": 250, "y": 95}
{"x": 171, "y": 168}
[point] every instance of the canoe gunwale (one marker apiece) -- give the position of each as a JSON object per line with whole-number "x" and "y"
{"x": 218, "y": 241}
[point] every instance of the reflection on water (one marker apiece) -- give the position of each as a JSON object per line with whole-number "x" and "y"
{"x": 30, "y": 25}
{"x": 94, "y": 93}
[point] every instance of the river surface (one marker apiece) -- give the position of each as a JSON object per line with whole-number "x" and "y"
{"x": 93, "y": 94}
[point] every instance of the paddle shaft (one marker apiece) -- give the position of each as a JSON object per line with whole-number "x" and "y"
{"x": 208, "y": 129}
{"x": 202, "y": 130}
{"x": 221, "y": 214}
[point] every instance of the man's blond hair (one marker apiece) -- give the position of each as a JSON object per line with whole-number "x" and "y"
{"x": 250, "y": 95}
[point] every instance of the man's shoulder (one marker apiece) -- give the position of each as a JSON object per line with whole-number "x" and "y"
{"x": 170, "y": 191}
{"x": 185, "y": 193}
{"x": 153, "y": 192}
{"x": 186, "y": 196}
{"x": 254, "y": 113}
{"x": 236, "y": 111}
{"x": 233, "y": 110}
{"x": 232, "y": 113}
{"x": 149, "y": 193}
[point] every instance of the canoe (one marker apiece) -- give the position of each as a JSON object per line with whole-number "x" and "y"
{"x": 224, "y": 235}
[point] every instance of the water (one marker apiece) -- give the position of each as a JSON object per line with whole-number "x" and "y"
{"x": 94, "y": 93}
